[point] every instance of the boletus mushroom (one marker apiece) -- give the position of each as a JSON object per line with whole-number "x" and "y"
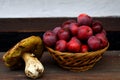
{"x": 30, "y": 50}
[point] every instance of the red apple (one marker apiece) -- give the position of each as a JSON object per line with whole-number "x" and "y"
{"x": 67, "y": 23}
{"x": 61, "y": 45}
{"x": 94, "y": 43}
{"x": 63, "y": 34}
{"x": 84, "y": 32}
{"x": 97, "y": 27}
{"x": 74, "y": 45}
{"x": 73, "y": 29}
{"x": 84, "y": 19}
{"x": 49, "y": 38}
{"x": 103, "y": 39}
{"x": 75, "y": 39}
{"x": 56, "y": 29}
{"x": 84, "y": 48}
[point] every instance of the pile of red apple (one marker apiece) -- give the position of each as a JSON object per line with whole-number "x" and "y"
{"x": 76, "y": 36}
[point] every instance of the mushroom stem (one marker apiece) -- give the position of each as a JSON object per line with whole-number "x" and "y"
{"x": 33, "y": 67}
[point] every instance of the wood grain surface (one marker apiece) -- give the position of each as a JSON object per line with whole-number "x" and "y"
{"x": 43, "y": 24}
{"x": 108, "y": 68}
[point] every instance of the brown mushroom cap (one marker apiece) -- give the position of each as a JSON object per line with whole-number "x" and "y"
{"x": 32, "y": 44}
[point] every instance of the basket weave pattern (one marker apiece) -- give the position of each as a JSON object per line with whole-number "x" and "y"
{"x": 77, "y": 61}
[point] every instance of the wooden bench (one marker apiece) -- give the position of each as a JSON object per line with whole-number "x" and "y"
{"x": 13, "y": 30}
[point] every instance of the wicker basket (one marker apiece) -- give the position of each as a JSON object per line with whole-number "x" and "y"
{"x": 77, "y": 61}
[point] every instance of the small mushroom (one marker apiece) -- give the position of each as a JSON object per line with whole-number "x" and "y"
{"x": 30, "y": 50}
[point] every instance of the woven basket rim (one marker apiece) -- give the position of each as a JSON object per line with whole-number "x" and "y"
{"x": 80, "y": 54}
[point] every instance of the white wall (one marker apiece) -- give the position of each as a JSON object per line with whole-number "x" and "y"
{"x": 58, "y": 8}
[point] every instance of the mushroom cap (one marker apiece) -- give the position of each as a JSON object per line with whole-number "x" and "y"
{"x": 32, "y": 44}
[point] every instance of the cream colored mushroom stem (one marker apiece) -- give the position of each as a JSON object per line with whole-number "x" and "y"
{"x": 33, "y": 67}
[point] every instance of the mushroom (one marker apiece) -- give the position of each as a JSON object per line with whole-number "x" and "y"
{"x": 30, "y": 50}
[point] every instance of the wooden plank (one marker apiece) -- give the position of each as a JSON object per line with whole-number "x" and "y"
{"x": 108, "y": 68}
{"x": 43, "y": 24}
